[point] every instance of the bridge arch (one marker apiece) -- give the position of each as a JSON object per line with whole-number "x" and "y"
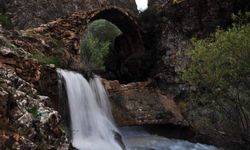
{"x": 125, "y": 60}
{"x": 127, "y": 57}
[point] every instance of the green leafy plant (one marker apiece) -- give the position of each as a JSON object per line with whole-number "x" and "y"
{"x": 56, "y": 60}
{"x": 96, "y": 45}
{"x": 34, "y": 112}
{"x": 94, "y": 51}
{"x": 103, "y": 30}
{"x": 218, "y": 74}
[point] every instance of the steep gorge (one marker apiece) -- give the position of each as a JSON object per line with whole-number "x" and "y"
{"x": 158, "y": 40}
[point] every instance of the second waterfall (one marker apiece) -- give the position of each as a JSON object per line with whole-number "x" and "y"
{"x": 92, "y": 125}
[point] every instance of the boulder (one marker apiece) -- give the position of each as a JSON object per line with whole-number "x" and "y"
{"x": 142, "y": 103}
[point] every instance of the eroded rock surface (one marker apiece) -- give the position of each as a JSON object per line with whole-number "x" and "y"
{"x": 142, "y": 103}
{"x": 27, "y": 121}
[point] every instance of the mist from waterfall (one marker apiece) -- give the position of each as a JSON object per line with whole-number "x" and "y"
{"x": 92, "y": 124}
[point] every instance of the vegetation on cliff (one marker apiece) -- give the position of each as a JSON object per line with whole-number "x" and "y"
{"x": 218, "y": 69}
{"x": 56, "y": 60}
{"x": 218, "y": 73}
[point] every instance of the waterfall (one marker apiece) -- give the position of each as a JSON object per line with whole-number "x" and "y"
{"x": 101, "y": 96}
{"x": 92, "y": 126}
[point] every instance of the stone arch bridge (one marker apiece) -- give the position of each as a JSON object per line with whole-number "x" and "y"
{"x": 127, "y": 58}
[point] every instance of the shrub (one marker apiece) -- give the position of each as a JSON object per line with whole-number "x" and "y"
{"x": 103, "y": 30}
{"x": 95, "y": 47}
{"x": 93, "y": 52}
{"x": 219, "y": 75}
{"x": 47, "y": 59}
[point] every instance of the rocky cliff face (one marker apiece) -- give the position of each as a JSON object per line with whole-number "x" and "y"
{"x": 29, "y": 13}
{"x": 27, "y": 119}
{"x": 172, "y": 24}
{"x": 142, "y": 103}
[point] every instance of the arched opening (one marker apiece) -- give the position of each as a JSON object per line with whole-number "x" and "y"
{"x": 98, "y": 45}
{"x": 125, "y": 60}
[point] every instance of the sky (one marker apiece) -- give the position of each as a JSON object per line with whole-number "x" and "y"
{"x": 142, "y": 4}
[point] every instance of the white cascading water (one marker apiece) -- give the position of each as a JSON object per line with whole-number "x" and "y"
{"x": 91, "y": 119}
{"x": 92, "y": 124}
{"x": 101, "y": 96}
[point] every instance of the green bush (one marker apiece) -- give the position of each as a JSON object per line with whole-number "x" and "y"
{"x": 56, "y": 60}
{"x": 5, "y": 21}
{"x": 96, "y": 45}
{"x": 93, "y": 52}
{"x": 218, "y": 74}
{"x": 103, "y": 30}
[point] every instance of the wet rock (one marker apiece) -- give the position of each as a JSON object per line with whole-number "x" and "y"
{"x": 142, "y": 103}
{"x": 118, "y": 138}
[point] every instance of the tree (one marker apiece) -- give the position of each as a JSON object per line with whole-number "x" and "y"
{"x": 95, "y": 47}
{"x": 219, "y": 75}
{"x": 104, "y": 30}
{"x": 94, "y": 51}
